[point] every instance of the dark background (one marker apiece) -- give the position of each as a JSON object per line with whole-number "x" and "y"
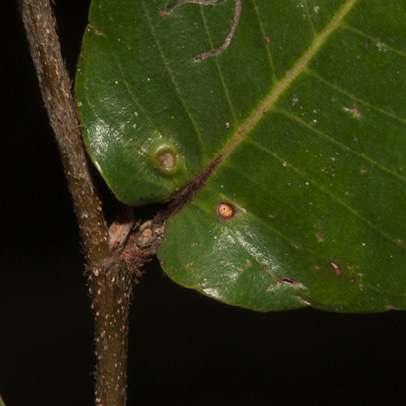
{"x": 185, "y": 349}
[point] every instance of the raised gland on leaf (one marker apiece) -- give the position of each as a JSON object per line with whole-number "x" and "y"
{"x": 165, "y": 157}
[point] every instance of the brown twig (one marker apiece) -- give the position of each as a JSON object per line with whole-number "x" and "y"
{"x": 56, "y": 88}
{"x": 110, "y": 284}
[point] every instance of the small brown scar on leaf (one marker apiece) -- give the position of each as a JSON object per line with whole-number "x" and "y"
{"x": 355, "y": 111}
{"x": 230, "y": 35}
{"x": 163, "y": 12}
{"x": 337, "y": 270}
{"x": 306, "y": 302}
{"x": 288, "y": 281}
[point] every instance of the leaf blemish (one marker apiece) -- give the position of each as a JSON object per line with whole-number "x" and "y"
{"x": 337, "y": 269}
{"x": 354, "y": 111}
{"x": 288, "y": 281}
{"x": 306, "y": 302}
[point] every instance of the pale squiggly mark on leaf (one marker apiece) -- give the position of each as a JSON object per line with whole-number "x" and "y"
{"x": 201, "y": 2}
{"x": 230, "y": 35}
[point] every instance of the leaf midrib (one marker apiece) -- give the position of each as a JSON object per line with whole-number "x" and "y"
{"x": 182, "y": 197}
{"x": 290, "y": 76}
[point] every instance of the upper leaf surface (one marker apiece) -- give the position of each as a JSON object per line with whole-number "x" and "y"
{"x": 306, "y": 109}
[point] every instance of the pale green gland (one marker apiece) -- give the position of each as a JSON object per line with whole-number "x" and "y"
{"x": 165, "y": 157}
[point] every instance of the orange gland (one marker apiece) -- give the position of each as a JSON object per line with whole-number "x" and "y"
{"x": 225, "y": 210}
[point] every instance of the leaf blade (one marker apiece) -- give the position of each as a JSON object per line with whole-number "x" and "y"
{"x": 310, "y": 152}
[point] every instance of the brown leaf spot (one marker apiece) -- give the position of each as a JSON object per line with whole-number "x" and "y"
{"x": 306, "y": 302}
{"x": 288, "y": 281}
{"x": 337, "y": 270}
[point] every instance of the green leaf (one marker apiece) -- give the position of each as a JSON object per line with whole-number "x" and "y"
{"x": 306, "y": 109}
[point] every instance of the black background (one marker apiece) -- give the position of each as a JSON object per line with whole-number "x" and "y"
{"x": 185, "y": 349}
